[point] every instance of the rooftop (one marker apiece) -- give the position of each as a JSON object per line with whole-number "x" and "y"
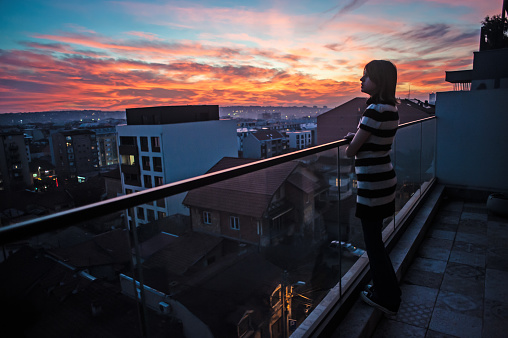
{"x": 454, "y": 283}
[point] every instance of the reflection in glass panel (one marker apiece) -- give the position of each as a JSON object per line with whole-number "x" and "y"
{"x": 428, "y": 165}
{"x": 285, "y": 243}
{"x": 81, "y": 273}
{"x": 250, "y": 255}
{"x": 407, "y": 159}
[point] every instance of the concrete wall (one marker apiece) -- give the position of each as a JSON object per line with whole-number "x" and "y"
{"x": 472, "y": 141}
{"x": 191, "y": 149}
{"x": 187, "y": 150}
{"x": 251, "y": 147}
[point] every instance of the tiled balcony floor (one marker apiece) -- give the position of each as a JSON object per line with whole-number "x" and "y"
{"x": 456, "y": 285}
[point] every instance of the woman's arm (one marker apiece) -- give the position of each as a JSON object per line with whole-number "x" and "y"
{"x": 359, "y": 139}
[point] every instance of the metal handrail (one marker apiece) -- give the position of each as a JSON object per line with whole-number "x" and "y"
{"x": 22, "y": 230}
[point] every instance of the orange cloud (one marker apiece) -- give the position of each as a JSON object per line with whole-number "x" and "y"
{"x": 84, "y": 83}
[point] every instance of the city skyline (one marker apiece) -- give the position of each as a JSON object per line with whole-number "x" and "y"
{"x": 113, "y": 55}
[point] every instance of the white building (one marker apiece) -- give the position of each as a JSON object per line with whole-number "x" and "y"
{"x": 299, "y": 139}
{"x": 485, "y": 104}
{"x": 161, "y": 145}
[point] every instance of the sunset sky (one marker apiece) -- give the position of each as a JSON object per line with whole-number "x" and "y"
{"x": 112, "y": 55}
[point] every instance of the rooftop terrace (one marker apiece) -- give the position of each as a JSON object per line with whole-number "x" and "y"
{"x": 450, "y": 254}
{"x": 452, "y": 275}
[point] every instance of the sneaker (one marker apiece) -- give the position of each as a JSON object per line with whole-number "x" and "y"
{"x": 370, "y": 299}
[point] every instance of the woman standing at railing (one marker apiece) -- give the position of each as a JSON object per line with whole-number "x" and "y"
{"x": 371, "y": 146}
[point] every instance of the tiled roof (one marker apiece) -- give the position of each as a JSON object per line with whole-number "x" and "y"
{"x": 264, "y": 135}
{"x": 183, "y": 252}
{"x": 46, "y": 299}
{"x": 248, "y": 194}
{"x": 154, "y": 244}
{"x": 304, "y": 183}
{"x": 222, "y": 300}
{"x": 109, "y": 248}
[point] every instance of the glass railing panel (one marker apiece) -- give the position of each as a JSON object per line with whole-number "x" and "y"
{"x": 406, "y": 160}
{"x": 253, "y": 253}
{"x": 67, "y": 282}
{"x": 350, "y": 228}
{"x": 428, "y": 153}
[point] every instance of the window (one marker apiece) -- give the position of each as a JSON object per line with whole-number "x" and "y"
{"x": 158, "y": 181}
{"x": 207, "y": 217}
{"x": 150, "y": 215}
{"x": 141, "y": 213}
{"x": 131, "y": 179}
{"x": 147, "y": 179}
{"x": 161, "y": 203}
{"x": 260, "y": 228}
{"x": 156, "y": 144}
{"x": 157, "y": 164}
{"x": 161, "y": 215}
{"x": 128, "y": 159}
{"x": 146, "y": 162}
{"x": 144, "y": 143}
{"x": 234, "y": 223}
{"x": 127, "y": 140}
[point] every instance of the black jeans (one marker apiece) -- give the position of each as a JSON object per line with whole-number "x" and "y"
{"x": 386, "y": 286}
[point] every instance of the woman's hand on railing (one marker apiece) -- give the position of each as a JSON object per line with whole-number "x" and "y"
{"x": 349, "y": 136}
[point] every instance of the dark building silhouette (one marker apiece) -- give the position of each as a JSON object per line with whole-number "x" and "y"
{"x": 75, "y": 153}
{"x": 14, "y": 170}
{"x": 336, "y": 123}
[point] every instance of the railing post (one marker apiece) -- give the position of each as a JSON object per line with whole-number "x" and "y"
{"x": 338, "y": 220}
{"x": 136, "y": 267}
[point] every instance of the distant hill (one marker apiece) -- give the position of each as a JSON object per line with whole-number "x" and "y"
{"x": 10, "y": 119}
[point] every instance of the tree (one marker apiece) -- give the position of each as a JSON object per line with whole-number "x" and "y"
{"x": 493, "y": 32}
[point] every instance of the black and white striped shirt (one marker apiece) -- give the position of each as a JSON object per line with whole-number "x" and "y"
{"x": 374, "y": 171}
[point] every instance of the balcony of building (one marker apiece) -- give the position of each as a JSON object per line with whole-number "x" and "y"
{"x": 87, "y": 270}
{"x": 128, "y": 149}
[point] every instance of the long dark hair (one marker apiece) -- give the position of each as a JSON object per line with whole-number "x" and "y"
{"x": 384, "y": 74}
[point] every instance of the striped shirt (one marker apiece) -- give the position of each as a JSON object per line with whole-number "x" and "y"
{"x": 374, "y": 171}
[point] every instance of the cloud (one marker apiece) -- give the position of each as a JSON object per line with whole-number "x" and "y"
{"x": 346, "y": 8}
{"x": 71, "y": 82}
{"x": 186, "y": 53}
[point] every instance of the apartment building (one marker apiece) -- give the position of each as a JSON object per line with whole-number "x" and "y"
{"x": 299, "y": 139}
{"x": 264, "y": 144}
{"x": 161, "y": 145}
{"x": 14, "y": 171}
{"x": 107, "y": 146}
{"x": 74, "y": 153}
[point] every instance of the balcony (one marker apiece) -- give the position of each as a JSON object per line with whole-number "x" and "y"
{"x": 130, "y": 169}
{"x": 128, "y": 149}
{"x": 169, "y": 278}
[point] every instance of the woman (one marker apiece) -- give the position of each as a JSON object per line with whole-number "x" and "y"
{"x": 371, "y": 146}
